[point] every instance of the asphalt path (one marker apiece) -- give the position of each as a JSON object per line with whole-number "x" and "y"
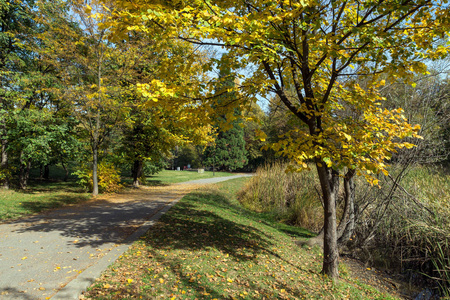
{"x": 59, "y": 253}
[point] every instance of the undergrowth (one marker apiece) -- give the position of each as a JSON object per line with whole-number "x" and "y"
{"x": 405, "y": 228}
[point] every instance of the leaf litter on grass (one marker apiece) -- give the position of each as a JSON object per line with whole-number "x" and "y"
{"x": 208, "y": 247}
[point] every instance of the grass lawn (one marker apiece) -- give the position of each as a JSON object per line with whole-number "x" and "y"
{"x": 168, "y": 176}
{"x": 38, "y": 197}
{"x": 44, "y": 195}
{"x": 209, "y": 247}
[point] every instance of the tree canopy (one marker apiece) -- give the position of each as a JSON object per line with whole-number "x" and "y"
{"x": 331, "y": 54}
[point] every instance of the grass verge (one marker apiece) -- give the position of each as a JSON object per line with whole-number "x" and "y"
{"x": 209, "y": 247}
{"x": 40, "y": 196}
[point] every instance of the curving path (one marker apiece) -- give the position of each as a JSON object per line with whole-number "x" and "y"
{"x": 58, "y": 254}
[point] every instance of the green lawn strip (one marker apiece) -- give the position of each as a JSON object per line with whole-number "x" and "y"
{"x": 40, "y": 196}
{"x": 168, "y": 176}
{"x": 209, "y": 247}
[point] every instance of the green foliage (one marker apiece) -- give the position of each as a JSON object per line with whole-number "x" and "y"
{"x": 108, "y": 178}
{"x": 229, "y": 152}
{"x": 254, "y": 122}
{"x": 187, "y": 155}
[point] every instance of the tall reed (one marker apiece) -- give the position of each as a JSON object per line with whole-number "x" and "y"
{"x": 292, "y": 197}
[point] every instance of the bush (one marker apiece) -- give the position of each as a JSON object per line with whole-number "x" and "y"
{"x": 292, "y": 197}
{"x": 108, "y": 178}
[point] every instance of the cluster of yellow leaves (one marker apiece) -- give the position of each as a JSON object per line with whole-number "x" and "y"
{"x": 300, "y": 39}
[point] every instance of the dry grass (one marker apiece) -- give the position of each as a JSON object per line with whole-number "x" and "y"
{"x": 292, "y": 197}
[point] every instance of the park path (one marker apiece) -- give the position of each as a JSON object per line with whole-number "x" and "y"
{"x": 42, "y": 254}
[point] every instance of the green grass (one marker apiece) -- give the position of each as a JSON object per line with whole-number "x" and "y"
{"x": 209, "y": 247}
{"x": 39, "y": 196}
{"x": 44, "y": 195}
{"x": 166, "y": 177}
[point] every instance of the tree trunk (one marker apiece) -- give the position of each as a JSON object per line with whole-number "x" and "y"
{"x": 66, "y": 175}
{"x": 94, "y": 171}
{"x": 41, "y": 172}
{"x": 346, "y": 225}
{"x": 329, "y": 183}
{"x": 46, "y": 172}
{"x": 137, "y": 172}
{"x": 4, "y": 162}
{"x": 24, "y": 173}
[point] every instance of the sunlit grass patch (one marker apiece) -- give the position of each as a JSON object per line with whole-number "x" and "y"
{"x": 168, "y": 176}
{"x": 209, "y": 247}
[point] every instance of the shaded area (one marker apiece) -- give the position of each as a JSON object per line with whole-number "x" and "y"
{"x": 189, "y": 228}
{"x": 40, "y": 196}
{"x": 95, "y": 224}
{"x": 13, "y": 293}
{"x": 53, "y": 201}
{"x": 42, "y": 253}
{"x": 214, "y": 236}
{"x": 148, "y": 182}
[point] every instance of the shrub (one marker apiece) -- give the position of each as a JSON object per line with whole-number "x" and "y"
{"x": 108, "y": 178}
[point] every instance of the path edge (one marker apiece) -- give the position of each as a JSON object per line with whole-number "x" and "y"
{"x": 74, "y": 289}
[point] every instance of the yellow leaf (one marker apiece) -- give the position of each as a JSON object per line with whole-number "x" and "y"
{"x": 24, "y": 257}
{"x": 161, "y": 280}
{"x": 129, "y": 280}
{"x": 106, "y": 286}
{"x": 88, "y": 9}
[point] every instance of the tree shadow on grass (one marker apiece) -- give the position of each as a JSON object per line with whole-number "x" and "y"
{"x": 209, "y": 221}
{"x": 189, "y": 228}
{"x": 225, "y": 203}
{"x": 54, "y": 201}
{"x": 41, "y": 186}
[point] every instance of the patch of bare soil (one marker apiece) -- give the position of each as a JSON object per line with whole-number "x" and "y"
{"x": 145, "y": 192}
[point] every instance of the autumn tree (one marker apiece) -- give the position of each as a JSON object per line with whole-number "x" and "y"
{"x": 321, "y": 50}
{"x": 155, "y": 126}
{"x": 88, "y": 67}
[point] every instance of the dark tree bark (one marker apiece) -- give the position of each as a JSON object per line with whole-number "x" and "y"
{"x": 4, "y": 163}
{"x": 66, "y": 175}
{"x": 347, "y": 223}
{"x": 41, "y": 172}
{"x": 46, "y": 172}
{"x": 95, "y": 171}
{"x": 136, "y": 172}
{"x": 329, "y": 182}
{"x": 24, "y": 173}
